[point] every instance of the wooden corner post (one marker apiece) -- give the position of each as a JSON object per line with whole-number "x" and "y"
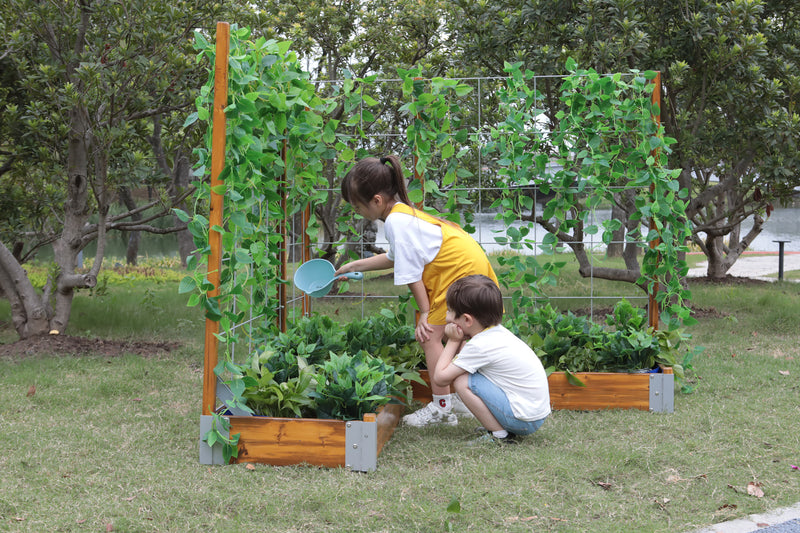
{"x": 215, "y": 212}
{"x": 652, "y": 308}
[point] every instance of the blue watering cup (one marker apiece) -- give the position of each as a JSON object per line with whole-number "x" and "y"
{"x": 316, "y": 277}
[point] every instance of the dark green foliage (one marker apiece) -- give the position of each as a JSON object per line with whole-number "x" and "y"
{"x": 386, "y": 336}
{"x": 348, "y": 386}
{"x": 285, "y": 394}
{"x": 307, "y": 371}
{"x": 571, "y": 343}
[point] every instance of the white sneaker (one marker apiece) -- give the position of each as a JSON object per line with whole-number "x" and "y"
{"x": 430, "y": 415}
{"x": 459, "y": 409}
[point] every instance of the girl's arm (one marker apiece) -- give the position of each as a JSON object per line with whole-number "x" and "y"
{"x": 376, "y": 262}
{"x": 424, "y": 330}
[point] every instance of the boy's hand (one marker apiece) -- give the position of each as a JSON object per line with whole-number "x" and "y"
{"x": 453, "y": 333}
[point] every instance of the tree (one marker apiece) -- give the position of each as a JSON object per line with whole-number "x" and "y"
{"x": 93, "y": 93}
{"x": 729, "y": 90}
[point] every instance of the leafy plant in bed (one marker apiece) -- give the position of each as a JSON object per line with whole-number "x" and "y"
{"x": 569, "y": 343}
{"x": 319, "y": 368}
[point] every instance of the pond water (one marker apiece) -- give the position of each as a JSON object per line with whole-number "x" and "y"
{"x": 783, "y": 224}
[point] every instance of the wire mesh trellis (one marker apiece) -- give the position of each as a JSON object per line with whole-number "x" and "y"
{"x": 479, "y": 217}
{"x": 469, "y": 123}
{"x": 247, "y": 318}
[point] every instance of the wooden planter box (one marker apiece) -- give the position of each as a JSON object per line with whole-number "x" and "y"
{"x": 604, "y": 390}
{"x": 351, "y": 444}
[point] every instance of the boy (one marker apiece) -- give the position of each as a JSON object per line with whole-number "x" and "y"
{"x": 498, "y": 377}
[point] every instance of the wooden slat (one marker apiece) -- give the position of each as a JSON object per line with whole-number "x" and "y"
{"x": 313, "y": 441}
{"x": 290, "y": 441}
{"x": 211, "y": 344}
{"x": 604, "y": 390}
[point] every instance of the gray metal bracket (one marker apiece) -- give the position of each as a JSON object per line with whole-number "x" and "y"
{"x": 209, "y": 455}
{"x": 662, "y": 393}
{"x": 361, "y": 446}
{"x": 223, "y": 395}
{"x": 212, "y": 455}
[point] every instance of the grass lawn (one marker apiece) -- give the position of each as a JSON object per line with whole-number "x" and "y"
{"x": 105, "y": 443}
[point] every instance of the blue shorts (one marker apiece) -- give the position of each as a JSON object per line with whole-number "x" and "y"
{"x": 497, "y": 402}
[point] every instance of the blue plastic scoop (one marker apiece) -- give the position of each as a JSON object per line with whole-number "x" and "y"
{"x": 316, "y": 277}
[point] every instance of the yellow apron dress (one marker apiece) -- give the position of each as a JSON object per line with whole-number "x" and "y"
{"x": 459, "y": 256}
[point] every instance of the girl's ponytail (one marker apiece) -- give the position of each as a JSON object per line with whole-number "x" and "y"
{"x": 373, "y": 175}
{"x": 397, "y": 177}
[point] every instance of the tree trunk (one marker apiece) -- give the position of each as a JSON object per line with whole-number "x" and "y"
{"x": 132, "y": 251}
{"x": 617, "y": 245}
{"x": 721, "y": 257}
{"x": 181, "y": 182}
{"x": 28, "y": 310}
{"x": 76, "y": 215}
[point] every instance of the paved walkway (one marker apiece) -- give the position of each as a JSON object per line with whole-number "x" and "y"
{"x": 785, "y": 520}
{"x": 758, "y": 267}
{"x": 779, "y": 521}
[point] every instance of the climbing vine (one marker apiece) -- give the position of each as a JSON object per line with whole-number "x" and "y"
{"x": 435, "y": 129}
{"x": 605, "y": 146}
{"x": 275, "y": 142}
{"x": 284, "y": 137}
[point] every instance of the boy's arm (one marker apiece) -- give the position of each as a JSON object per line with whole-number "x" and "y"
{"x": 446, "y": 372}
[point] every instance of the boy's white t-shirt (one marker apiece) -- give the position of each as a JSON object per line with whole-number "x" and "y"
{"x": 413, "y": 243}
{"x": 505, "y": 360}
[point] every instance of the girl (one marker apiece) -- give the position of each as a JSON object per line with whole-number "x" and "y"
{"x": 427, "y": 254}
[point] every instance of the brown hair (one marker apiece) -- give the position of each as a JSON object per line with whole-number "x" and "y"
{"x": 371, "y": 176}
{"x": 478, "y": 296}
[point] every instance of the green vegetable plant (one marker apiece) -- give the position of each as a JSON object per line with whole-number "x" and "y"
{"x": 349, "y": 386}
{"x": 569, "y": 343}
{"x": 288, "y": 397}
{"x": 291, "y": 376}
{"x": 274, "y": 149}
{"x": 220, "y": 425}
{"x": 604, "y": 146}
{"x": 281, "y": 141}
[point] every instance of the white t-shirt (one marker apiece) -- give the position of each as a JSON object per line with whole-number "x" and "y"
{"x": 505, "y": 360}
{"x": 413, "y": 243}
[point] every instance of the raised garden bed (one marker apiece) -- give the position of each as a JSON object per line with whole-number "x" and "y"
{"x": 653, "y": 392}
{"x": 350, "y": 444}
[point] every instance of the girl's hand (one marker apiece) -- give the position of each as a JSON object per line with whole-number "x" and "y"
{"x": 345, "y": 268}
{"x": 423, "y": 331}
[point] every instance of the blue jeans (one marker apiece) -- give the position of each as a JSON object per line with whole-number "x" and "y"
{"x": 497, "y": 402}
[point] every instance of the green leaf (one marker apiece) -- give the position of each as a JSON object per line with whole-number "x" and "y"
{"x": 188, "y": 284}
{"x": 454, "y": 506}
{"x": 182, "y": 215}
{"x": 572, "y": 379}
{"x": 191, "y": 119}
{"x": 415, "y": 196}
{"x": 243, "y": 256}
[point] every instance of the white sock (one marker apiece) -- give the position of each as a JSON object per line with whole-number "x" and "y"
{"x": 501, "y": 434}
{"x": 443, "y": 402}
